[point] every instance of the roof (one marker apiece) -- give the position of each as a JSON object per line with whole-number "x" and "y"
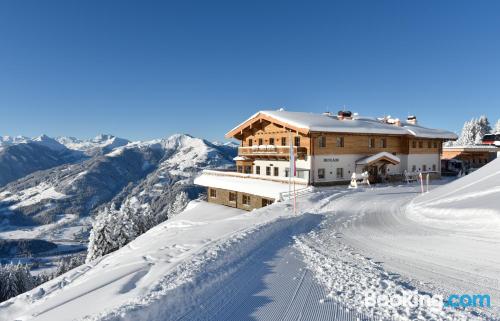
{"x": 476, "y": 148}
{"x": 243, "y": 184}
{"x": 377, "y": 157}
{"x": 308, "y": 122}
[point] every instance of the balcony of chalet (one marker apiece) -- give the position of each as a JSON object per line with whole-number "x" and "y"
{"x": 272, "y": 151}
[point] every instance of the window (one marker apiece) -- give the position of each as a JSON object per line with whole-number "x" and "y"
{"x": 414, "y": 168}
{"x": 420, "y": 144}
{"x": 271, "y": 141}
{"x": 429, "y": 144}
{"x": 257, "y": 170}
{"x": 371, "y": 143}
{"x": 248, "y": 169}
{"x": 433, "y": 167}
{"x": 250, "y": 142}
{"x": 276, "y": 171}
{"x": 340, "y": 141}
{"x": 213, "y": 193}
{"x": 424, "y": 168}
{"x": 268, "y": 171}
{"x": 266, "y": 202}
{"x": 435, "y": 145}
{"x": 245, "y": 200}
{"x": 321, "y": 173}
{"x": 240, "y": 169}
{"x": 414, "y": 144}
{"x": 232, "y": 197}
{"x": 283, "y": 141}
{"x": 296, "y": 141}
{"x": 383, "y": 143}
{"x": 260, "y": 141}
{"x": 287, "y": 170}
{"x": 322, "y": 141}
{"x": 340, "y": 173}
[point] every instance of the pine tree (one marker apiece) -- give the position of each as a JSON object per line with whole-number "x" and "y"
{"x": 467, "y": 136}
{"x": 482, "y": 128}
{"x": 497, "y": 127}
{"x": 9, "y": 287}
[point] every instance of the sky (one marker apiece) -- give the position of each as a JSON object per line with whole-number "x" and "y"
{"x": 148, "y": 69}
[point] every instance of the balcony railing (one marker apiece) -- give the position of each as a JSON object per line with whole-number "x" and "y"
{"x": 271, "y": 150}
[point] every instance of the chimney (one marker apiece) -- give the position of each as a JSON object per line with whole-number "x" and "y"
{"x": 344, "y": 115}
{"x": 412, "y": 119}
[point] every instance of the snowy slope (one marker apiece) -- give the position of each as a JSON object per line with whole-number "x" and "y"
{"x": 155, "y": 274}
{"x": 470, "y": 203}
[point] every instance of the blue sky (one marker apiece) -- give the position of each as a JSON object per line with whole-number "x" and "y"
{"x": 147, "y": 69}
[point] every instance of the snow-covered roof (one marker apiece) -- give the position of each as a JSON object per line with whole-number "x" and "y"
{"x": 373, "y": 158}
{"x": 358, "y": 124}
{"x": 489, "y": 148}
{"x": 254, "y": 186}
{"x": 240, "y": 158}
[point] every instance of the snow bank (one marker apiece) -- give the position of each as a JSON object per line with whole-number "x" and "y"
{"x": 470, "y": 203}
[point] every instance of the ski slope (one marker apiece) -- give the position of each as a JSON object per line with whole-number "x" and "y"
{"x": 217, "y": 263}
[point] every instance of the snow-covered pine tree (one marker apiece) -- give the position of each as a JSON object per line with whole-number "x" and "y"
{"x": 179, "y": 204}
{"x": 467, "y": 136}
{"x": 482, "y": 128}
{"x": 9, "y": 287}
{"x": 24, "y": 279}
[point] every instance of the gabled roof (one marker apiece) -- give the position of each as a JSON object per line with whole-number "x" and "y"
{"x": 308, "y": 122}
{"x": 382, "y": 156}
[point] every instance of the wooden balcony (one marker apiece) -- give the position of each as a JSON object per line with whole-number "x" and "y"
{"x": 271, "y": 151}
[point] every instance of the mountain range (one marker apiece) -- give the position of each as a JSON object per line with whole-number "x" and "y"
{"x": 50, "y": 187}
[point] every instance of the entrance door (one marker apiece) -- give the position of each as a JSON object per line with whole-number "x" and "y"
{"x": 373, "y": 174}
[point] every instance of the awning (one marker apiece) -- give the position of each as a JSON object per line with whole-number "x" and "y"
{"x": 379, "y": 157}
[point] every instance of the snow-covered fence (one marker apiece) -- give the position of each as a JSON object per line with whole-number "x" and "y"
{"x": 299, "y": 192}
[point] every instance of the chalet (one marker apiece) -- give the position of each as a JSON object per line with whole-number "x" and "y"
{"x": 327, "y": 150}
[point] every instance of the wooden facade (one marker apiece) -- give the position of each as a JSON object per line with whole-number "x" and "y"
{"x": 243, "y": 201}
{"x": 265, "y": 131}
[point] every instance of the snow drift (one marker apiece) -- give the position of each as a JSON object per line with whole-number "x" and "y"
{"x": 469, "y": 203}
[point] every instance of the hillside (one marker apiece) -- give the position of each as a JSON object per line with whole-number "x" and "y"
{"x": 55, "y": 204}
{"x": 470, "y": 203}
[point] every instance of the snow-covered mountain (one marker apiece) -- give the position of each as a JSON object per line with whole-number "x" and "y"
{"x": 153, "y": 172}
{"x": 102, "y": 142}
{"x": 22, "y": 158}
{"x": 21, "y": 155}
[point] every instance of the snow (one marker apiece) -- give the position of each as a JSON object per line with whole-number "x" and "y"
{"x": 244, "y": 184}
{"x": 157, "y": 263}
{"x": 359, "y": 124}
{"x": 100, "y": 141}
{"x": 220, "y": 263}
{"x": 469, "y": 204}
{"x": 32, "y": 196}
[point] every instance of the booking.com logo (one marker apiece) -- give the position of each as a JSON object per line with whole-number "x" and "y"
{"x": 413, "y": 300}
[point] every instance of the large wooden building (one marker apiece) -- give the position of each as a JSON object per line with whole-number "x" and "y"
{"x": 328, "y": 149}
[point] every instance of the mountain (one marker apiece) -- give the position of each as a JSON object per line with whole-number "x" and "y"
{"x": 20, "y": 159}
{"x": 12, "y": 140}
{"x": 102, "y": 143}
{"x": 20, "y": 155}
{"x": 152, "y": 172}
